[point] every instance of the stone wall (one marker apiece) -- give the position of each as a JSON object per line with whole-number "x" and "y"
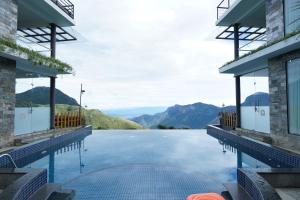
{"x": 7, "y": 99}
{"x": 279, "y": 102}
{"x": 8, "y": 30}
{"x": 8, "y": 19}
{"x": 274, "y": 19}
{"x": 278, "y": 97}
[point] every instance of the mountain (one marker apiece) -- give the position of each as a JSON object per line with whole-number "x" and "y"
{"x": 192, "y": 116}
{"x": 197, "y": 115}
{"x": 257, "y": 99}
{"x": 98, "y": 120}
{"x": 41, "y": 96}
{"x": 128, "y": 113}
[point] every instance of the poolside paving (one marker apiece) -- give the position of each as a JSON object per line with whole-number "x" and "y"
{"x": 139, "y": 182}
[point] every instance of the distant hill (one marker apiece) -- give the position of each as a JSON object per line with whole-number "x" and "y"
{"x": 41, "y": 96}
{"x": 98, "y": 120}
{"x": 197, "y": 115}
{"x": 129, "y": 113}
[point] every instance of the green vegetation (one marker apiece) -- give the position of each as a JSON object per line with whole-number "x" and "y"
{"x": 99, "y": 120}
{"x": 35, "y": 57}
{"x": 265, "y": 46}
{"x": 160, "y": 126}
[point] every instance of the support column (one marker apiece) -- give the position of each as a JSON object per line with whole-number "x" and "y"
{"x": 237, "y": 78}
{"x": 236, "y": 41}
{"x": 52, "y": 102}
{"x": 52, "y": 79}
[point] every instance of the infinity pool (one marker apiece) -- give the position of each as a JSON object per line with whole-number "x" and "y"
{"x": 146, "y": 164}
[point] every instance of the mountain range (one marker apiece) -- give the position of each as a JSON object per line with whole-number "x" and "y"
{"x": 196, "y": 115}
{"x": 129, "y": 113}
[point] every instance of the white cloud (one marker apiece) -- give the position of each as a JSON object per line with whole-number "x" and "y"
{"x": 147, "y": 53}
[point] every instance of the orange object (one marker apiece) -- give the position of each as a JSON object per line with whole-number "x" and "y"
{"x": 208, "y": 196}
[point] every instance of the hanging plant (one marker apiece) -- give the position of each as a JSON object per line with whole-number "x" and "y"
{"x": 265, "y": 46}
{"x": 35, "y": 57}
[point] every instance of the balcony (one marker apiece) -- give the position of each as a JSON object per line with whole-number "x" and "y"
{"x": 244, "y": 12}
{"x": 258, "y": 59}
{"x": 66, "y": 6}
{"x": 32, "y": 13}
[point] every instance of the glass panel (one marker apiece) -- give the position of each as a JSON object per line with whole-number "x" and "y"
{"x": 32, "y": 112}
{"x": 294, "y": 96}
{"x": 292, "y": 16}
{"x": 255, "y": 110}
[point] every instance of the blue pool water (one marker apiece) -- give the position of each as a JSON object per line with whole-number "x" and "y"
{"x": 145, "y": 164}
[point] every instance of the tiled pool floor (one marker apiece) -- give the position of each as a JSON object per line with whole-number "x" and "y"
{"x": 144, "y": 164}
{"x": 138, "y": 182}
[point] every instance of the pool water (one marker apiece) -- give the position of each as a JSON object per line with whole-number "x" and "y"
{"x": 108, "y": 164}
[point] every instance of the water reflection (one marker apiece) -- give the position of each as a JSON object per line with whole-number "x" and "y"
{"x": 190, "y": 151}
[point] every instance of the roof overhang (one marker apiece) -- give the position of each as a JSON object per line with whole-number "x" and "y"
{"x": 247, "y": 13}
{"x": 40, "y": 13}
{"x": 25, "y": 68}
{"x": 259, "y": 59}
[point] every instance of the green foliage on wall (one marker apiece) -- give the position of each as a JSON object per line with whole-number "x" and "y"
{"x": 35, "y": 57}
{"x": 265, "y": 46}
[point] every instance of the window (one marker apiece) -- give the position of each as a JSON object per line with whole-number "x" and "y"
{"x": 292, "y": 16}
{"x": 294, "y": 96}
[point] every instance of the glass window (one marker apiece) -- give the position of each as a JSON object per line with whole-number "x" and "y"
{"x": 294, "y": 96}
{"x": 292, "y": 16}
{"x": 255, "y": 110}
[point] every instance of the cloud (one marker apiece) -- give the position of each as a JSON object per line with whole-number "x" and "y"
{"x": 147, "y": 53}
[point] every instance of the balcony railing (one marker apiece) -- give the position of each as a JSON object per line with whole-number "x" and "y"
{"x": 228, "y": 120}
{"x": 66, "y": 6}
{"x": 69, "y": 120}
{"x": 222, "y": 7}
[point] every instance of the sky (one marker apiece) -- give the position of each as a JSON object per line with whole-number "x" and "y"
{"x": 137, "y": 53}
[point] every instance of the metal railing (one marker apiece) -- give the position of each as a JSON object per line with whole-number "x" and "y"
{"x": 10, "y": 159}
{"x": 228, "y": 119}
{"x": 69, "y": 120}
{"x": 224, "y": 5}
{"x": 66, "y": 6}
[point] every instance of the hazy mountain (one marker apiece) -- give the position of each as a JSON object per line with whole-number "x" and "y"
{"x": 134, "y": 112}
{"x": 193, "y": 116}
{"x": 196, "y": 115}
{"x": 41, "y": 96}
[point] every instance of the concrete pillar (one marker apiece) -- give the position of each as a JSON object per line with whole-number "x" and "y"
{"x": 8, "y": 30}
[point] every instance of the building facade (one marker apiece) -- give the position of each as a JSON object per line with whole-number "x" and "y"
{"x": 272, "y": 68}
{"x": 40, "y": 22}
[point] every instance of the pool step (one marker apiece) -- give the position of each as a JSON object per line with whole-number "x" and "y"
{"x": 236, "y": 192}
{"x": 65, "y": 194}
{"x": 45, "y": 191}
